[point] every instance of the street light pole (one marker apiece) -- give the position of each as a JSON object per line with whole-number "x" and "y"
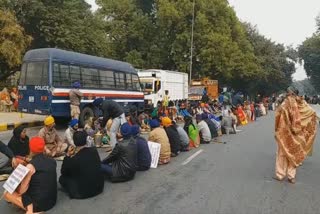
{"x": 191, "y": 46}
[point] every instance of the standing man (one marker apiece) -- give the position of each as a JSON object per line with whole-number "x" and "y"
{"x": 111, "y": 110}
{"x": 75, "y": 99}
{"x": 295, "y": 131}
{"x": 165, "y": 102}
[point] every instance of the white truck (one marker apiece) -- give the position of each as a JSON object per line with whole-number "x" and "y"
{"x": 155, "y": 82}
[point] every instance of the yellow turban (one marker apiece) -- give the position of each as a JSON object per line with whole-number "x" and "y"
{"x": 49, "y": 121}
{"x": 166, "y": 121}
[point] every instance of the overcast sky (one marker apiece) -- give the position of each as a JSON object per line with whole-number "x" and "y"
{"x": 288, "y": 22}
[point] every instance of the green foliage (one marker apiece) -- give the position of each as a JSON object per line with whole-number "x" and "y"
{"x": 13, "y": 43}
{"x": 67, "y": 24}
{"x": 276, "y": 61}
{"x": 309, "y": 52}
{"x": 157, "y": 34}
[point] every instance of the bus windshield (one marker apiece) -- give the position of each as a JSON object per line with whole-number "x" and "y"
{"x": 34, "y": 73}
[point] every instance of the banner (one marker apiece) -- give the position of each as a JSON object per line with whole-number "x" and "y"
{"x": 15, "y": 178}
{"x": 155, "y": 153}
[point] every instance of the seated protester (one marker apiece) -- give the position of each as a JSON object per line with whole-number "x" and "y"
{"x": 7, "y": 159}
{"x": 134, "y": 120}
{"x": 81, "y": 174}
{"x": 205, "y": 134}
{"x": 183, "y": 111}
{"x": 159, "y": 135}
{"x": 68, "y": 135}
{"x": 227, "y": 124}
{"x": 144, "y": 156}
{"x": 173, "y": 136}
{"x": 38, "y": 190}
{"x": 19, "y": 144}
{"x": 121, "y": 164}
{"x": 183, "y": 136}
{"x": 54, "y": 145}
{"x": 211, "y": 125}
{"x": 192, "y": 131}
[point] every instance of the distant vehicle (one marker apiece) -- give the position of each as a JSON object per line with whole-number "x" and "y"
{"x": 197, "y": 87}
{"x": 47, "y": 75}
{"x": 155, "y": 82}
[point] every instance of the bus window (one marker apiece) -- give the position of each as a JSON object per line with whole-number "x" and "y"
{"x": 23, "y": 74}
{"x": 120, "y": 84}
{"x": 74, "y": 73}
{"x": 64, "y": 75}
{"x": 56, "y": 79}
{"x": 106, "y": 79}
{"x": 135, "y": 82}
{"x": 129, "y": 82}
{"x": 37, "y": 73}
{"x": 90, "y": 78}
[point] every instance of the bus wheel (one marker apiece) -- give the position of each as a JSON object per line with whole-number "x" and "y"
{"x": 85, "y": 114}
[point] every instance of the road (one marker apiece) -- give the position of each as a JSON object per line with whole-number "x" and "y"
{"x": 231, "y": 178}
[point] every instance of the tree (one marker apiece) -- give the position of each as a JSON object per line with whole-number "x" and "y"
{"x": 13, "y": 44}
{"x": 309, "y": 52}
{"x": 63, "y": 24}
{"x": 276, "y": 61}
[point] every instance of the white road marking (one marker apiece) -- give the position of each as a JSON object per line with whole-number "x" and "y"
{"x": 191, "y": 157}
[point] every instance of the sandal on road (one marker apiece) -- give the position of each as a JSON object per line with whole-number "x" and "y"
{"x": 276, "y": 178}
{"x": 292, "y": 180}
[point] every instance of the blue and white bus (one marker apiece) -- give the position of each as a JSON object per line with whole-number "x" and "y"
{"x": 47, "y": 75}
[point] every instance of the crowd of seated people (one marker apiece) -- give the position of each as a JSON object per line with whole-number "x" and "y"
{"x": 180, "y": 127}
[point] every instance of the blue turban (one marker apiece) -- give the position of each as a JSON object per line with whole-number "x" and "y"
{"x": 76, "y": 85}
{"x": 198, "y": 117}
{"x": 97, "y": 102}
{"x": 126, "y": 130}
{"x": 135, "y": 129}
{"x": 204, "y": 116}
{"x": 74, "y": 122}
{"x": 154, "y": 123}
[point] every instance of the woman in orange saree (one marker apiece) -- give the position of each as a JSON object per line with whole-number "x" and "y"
{"x": 295, "y": 131}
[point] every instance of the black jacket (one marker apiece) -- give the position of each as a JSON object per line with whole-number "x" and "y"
{"x": 19, "y": 147}
{"x": 42, "y": 191}
{"x": 5, "y": 150}
{"x": 213, "y": 130}
{"x": 111, "y": 110}
{"x": 124, "y": 160}
{"x": 174, "y": 139}
{"x": 81, "y": 174}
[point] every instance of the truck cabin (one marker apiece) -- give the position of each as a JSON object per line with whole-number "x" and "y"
{"x": 150, "y": 85}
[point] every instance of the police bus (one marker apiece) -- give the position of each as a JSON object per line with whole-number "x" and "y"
{"x": 48, "y": 74}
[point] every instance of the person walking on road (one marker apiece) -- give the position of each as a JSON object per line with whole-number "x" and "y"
{"x": 295, "y": 131}
{"x": 111, "y": 110}
{"x": 75, "y": 96}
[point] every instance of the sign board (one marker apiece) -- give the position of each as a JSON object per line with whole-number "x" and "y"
{"x": 15, "y": 178}
{"x": 155, "y": 153}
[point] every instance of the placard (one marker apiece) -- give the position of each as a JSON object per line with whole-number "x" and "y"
{"x": 15, "y": 178}
{"x": 155, "y": 153}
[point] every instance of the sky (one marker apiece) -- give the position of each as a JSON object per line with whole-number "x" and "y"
{"x": 288, "y": 22}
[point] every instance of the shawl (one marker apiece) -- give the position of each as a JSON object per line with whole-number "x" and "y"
{"x": 295, "y": 128}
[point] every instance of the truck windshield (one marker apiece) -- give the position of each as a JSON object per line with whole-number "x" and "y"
{"x": 147, "y": 85}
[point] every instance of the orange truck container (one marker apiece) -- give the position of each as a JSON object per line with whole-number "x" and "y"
{"x": 197, "y": 86}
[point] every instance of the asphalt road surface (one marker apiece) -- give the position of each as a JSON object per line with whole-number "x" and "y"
{"x": 231, "y": 178}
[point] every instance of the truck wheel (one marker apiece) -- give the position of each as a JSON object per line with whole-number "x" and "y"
{"x": 85, "y": 114}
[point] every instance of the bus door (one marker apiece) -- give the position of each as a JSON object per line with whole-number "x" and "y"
{"x": 34, "y": 90}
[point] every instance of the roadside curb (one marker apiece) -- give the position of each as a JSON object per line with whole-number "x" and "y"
{"x": 10, "y": 126}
